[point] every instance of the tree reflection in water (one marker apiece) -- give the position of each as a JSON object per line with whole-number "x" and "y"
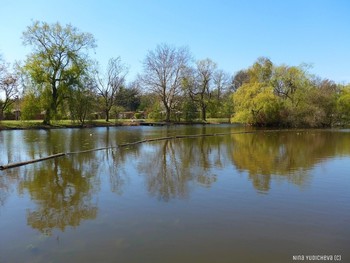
{"x": 170, "y": 166}
{"x": 62, "y": 190}
{"x": 285, "y": 155}
{"x": 4, "y": 189}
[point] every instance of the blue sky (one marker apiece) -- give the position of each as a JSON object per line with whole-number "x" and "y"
{"x": 232, "y": 33}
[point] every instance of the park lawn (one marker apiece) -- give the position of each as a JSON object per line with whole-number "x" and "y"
{"x": 13, "y": 124}
{"x": 38, "y": 124}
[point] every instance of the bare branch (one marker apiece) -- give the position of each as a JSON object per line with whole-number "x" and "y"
{"x": 109, "y": 85}
{"x": 163, "y": 73}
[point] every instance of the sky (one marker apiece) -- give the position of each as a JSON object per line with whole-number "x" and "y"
{"x": 232, "y": 33}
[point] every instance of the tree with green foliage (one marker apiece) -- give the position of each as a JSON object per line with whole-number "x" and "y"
{"x": 285, "y": 96}
{"x": 83, "y": 99}
{"x": 254, "y": 100}
{"x": 30, "y": 106}
{"x": 32, "y": 101}
{"x": 287, "y": 80}
{"x": 128, "y": 97}
{"x": 189, "y": 109}
{"x": 343, "y": 105}
{"x": 256, "y": 104}
{"x": 58, "y": 60}
{"x": 297, "y": 98}
{"x": 322, "y": 100}
{"x": 147, "y": 100}
{"x": 261, "y": 71}
{"x": 292, "y": 85}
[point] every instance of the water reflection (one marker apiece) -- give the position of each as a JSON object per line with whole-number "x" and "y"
{"x": 287, "y": 154}
{"x": 171, "y": 165}
{"x": 63, "y": 189}
{"x": 4, "y": 189}
{"x": 125, "y": 200}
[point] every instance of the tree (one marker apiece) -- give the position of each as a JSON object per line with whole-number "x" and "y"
{"x": 239, "y": 79}
{"x": 82, "y": 99}
{"x": 343, "y": 105}
{"x": 201, "y": 88}
{"x": 59, "y": 58}
{"x": 256, "y": 104}
{"x": 30, "y": 106}
{"x": 129, "y": 97}
{"x": 286, "y": 80}
{"x": 293, "y": 85}
{"x": 2, "y": 67}
{"x": 109, "y": 85}
{"x": 261, "y": 71}
{"x": 322, "y": 98}
{"x": 163, "y": 72}
{"x": 222, "y": 91}
{"x": 286, "y": 96}
{"x": 189, "y": 109}
{"x": 147, "y": 101}
{"x": 8, "y": 88}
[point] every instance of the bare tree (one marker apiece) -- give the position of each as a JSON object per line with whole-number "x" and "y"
{"x": 239, "y": 79}
{"x": 8, "y": 88}
{"x": 163, "y": 74}
{"x": 201, "y": 88}
{"x": 222, "y": 83}
{"x": 109, "y": 85}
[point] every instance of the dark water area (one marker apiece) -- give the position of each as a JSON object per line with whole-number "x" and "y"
{"x": 273, "y": 196}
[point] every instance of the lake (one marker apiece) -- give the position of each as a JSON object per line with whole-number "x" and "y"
{"x": 265, "y": 196}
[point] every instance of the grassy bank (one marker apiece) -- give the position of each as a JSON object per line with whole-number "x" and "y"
{"x": 38, "y": 124}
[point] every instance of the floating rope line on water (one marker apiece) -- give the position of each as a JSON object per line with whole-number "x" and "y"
{"x": 12, "y": 165}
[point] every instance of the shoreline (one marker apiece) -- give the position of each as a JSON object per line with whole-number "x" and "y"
{"x": 22, "y": 125}
{"x": 32, "y": 125}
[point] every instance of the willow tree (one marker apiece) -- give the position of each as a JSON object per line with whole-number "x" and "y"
{"x": 164, "y": 69}
{"x": 59, "y": 58}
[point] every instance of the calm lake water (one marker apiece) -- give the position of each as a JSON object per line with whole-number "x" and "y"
{"x": 253, "y": 197}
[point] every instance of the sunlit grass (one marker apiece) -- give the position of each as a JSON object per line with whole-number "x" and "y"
{"x": 20, "y": 124}
{"x": 32, "y": 124}
{"x": 218, "y": 120}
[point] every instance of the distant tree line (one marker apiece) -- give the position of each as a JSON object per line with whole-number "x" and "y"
{"x": 60, "y": 80}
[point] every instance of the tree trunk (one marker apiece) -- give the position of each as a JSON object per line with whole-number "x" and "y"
{"x": 204, "y": 113}
{"x": 167, "y": 114}
{"x": 167, "y": 119}
{"x": 52, "y": 109}
{"x": 47, "y": 117}
{"x": 107, "y": 115}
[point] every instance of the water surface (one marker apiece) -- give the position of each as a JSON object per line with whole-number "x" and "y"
{"x": 259, "y": 197}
